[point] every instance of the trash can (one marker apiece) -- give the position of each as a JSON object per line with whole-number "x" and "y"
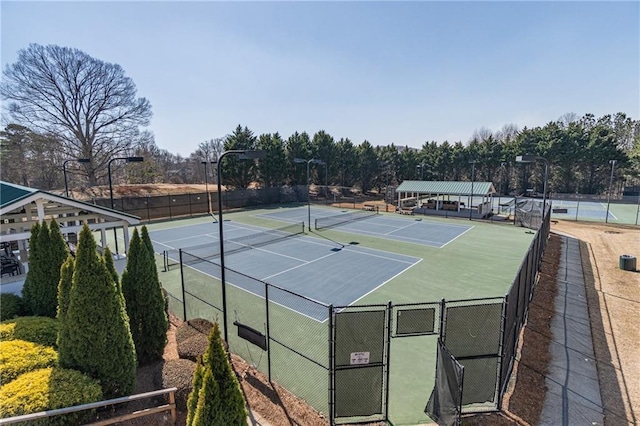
{"x": 627, "y": 262}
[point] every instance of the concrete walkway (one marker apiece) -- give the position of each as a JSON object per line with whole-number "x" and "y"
{"x": 573, "y": 391}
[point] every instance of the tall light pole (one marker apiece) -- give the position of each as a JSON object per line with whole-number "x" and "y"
{"x": 206, "y": 184}
{"x": 64, "y": 171}
{"x": 128, "y": 160}
{"x": 473, "y": 174}
{"x": 613, "y": 166}
{"x": 421, "y": 166}
{"x": 314, "y": 161}
{"x": 500, "y": 186}
{"x": 532, "y": 159}
{"x": 243, "y": 155}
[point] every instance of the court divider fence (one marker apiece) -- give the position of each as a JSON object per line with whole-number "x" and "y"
{"x": 338, "y": 359}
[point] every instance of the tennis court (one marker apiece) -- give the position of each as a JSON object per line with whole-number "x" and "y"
{"x": 404, "y": 229}
{"x": 323, "y": 270}
{"x": 481, "y": 262}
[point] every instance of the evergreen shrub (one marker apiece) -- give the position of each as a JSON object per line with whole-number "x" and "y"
{"x": 50, "y": 389}
{"x": 95, "y": 337}
{"x": 18, "y": 357}
{"x": 40, "y": 330}
{"x": 10, "y": 306}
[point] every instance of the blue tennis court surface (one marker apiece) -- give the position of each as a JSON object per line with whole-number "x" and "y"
{"x": 408, "y": 230}
{"x": 316, "y": 268}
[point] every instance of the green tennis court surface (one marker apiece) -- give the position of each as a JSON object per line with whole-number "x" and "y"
{"x": 480, "y": 262}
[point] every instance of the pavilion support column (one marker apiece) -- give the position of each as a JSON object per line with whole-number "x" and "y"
{"x": 103, "y": 238}
{"x": 125, "y": 230}
{"x": 40, "y": 210}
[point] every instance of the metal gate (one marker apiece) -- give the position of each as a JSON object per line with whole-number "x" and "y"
{"x": 359, "y": 360}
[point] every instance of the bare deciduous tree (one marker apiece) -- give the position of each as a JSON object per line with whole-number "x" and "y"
{"x": 89, "y": 104}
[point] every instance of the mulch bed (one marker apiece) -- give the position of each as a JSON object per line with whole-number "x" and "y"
{"x": 525, "y": 396}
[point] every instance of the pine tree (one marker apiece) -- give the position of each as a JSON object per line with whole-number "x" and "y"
{"x": 29, "y": 290}
{"x": 95, "y": 336}
{"x": 220, "y": 400}
{"x": 64, "y": 289}
{"x": 144, "y": 301}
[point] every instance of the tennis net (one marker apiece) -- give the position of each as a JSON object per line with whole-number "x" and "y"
{"x": 331, "y": 221}
{"x": 197, "y": 254}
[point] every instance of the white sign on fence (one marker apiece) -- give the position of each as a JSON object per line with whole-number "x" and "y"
{"x": 359, "y": 358}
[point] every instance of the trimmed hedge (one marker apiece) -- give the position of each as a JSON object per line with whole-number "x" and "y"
{"x": 49, "y": 389}
{"x": 18, "y": 357}
{"x": 40, "y": 330}
{"x": 11, "y": 306}
{"x": 179, "y": 373}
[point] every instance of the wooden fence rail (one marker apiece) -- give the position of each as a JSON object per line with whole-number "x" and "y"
{"x": 171, "y": 406}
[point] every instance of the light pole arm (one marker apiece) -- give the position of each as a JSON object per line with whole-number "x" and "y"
{"x": 64, "y": 173}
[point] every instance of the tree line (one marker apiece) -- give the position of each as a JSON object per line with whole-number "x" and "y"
{"x": 65, "y": 105}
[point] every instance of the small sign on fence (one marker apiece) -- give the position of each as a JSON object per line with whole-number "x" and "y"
{"x": 359, "y": 358}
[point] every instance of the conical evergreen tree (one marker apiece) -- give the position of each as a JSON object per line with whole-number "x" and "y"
{"x": 233, "y": 405}
{"x": 56, "y": 255}
{"x": 220, "y": 399}
{"x": 209, "y": 404}
{"x": 64, "y": 289}
{"x": 36, "y": 292}
{"x": 145, "y": 302}
{"x": 192, "y": 401}
{"x": 29, "y": 290}
{"x": 107, "y": 256}
{"x": 96, "y": 339}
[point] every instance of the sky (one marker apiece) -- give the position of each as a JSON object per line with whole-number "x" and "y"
{"x": 386, "y": 72}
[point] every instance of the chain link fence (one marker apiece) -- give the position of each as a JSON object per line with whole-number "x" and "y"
{"x": 338, "y": 359}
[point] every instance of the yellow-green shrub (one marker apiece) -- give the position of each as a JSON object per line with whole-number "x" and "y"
{"x": 40, "y": 330}
{"x": 49, "y": 389}
{"x": 18, "y": 357}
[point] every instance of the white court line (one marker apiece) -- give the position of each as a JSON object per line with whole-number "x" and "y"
{"x": 458, "y": 236}
{"x": 372, "y": 290}
{"x": 188, "y": 238}
{"x": 383, "y": 257}
{"x": 399, "y": 238}
{"x": 299, "y": 266}
{"x": 402, "y": 227}
{"x": 610, "y": 212}
{"x": 289, "y": 292}
{"x": 277, "y": 254}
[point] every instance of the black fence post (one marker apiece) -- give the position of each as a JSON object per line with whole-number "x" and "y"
{"x": 169, "y": 199}
{"x": 148, "y": 211}
{"x": 190, "y": 211}
{"x": 184, "y": 300}
{"x": 503, "y": 329}
{"x": 442, "y": 308}
{"x": 266, "y": 302}
{"x": 388, "y": 361}
{"x": 331, "y": 369}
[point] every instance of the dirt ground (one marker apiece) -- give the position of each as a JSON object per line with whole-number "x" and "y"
{"x": 614, "y": 307}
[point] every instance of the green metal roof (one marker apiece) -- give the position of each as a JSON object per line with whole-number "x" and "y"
{"x": 446, "y": 187}
{"x": 10, "y": 193}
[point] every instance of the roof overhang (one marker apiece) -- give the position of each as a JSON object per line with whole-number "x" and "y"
{"x": 20, "y": 213}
